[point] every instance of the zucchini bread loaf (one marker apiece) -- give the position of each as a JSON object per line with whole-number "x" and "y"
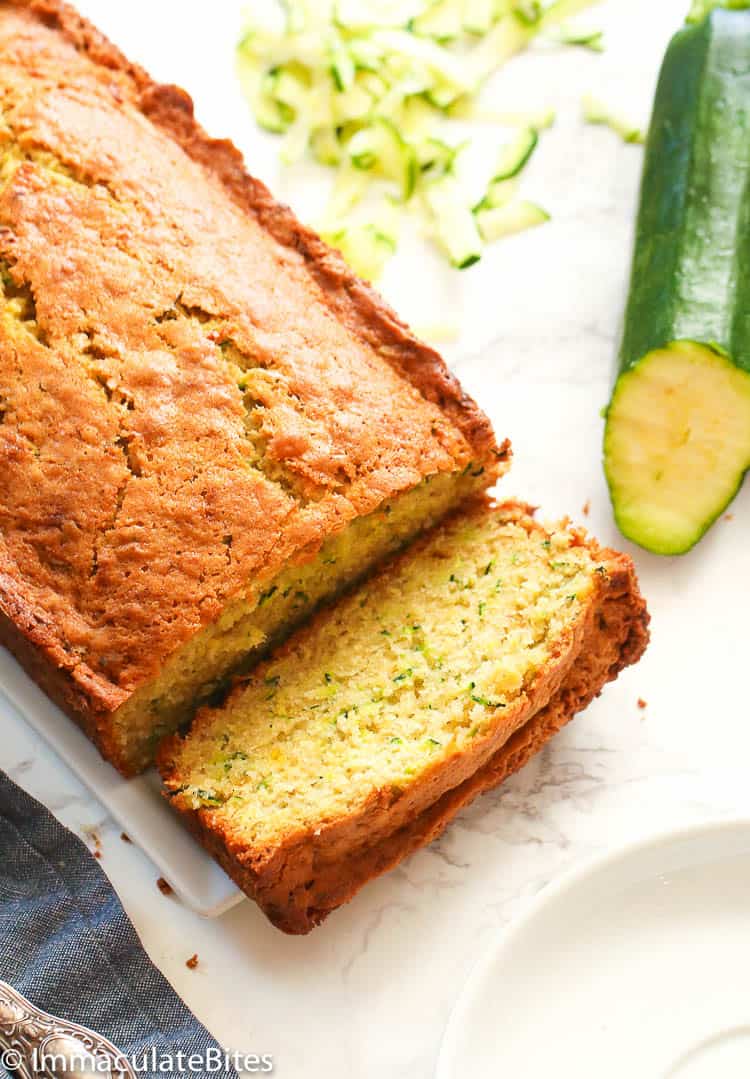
{"x": 207, "y": 423}
{"x": 361, "y": 737}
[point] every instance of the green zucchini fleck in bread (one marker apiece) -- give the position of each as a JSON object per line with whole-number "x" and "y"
{"x": 358, "y": 740}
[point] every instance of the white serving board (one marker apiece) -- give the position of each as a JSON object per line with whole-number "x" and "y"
{"x": 136, "y": 804}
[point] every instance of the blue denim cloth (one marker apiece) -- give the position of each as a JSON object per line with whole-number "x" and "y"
{"x": 67, "y": 944}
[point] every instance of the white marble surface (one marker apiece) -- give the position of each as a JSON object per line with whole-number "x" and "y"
{"x": 368, "y": 994}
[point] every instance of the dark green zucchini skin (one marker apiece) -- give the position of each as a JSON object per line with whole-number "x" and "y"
{"x": 691, "y": 268}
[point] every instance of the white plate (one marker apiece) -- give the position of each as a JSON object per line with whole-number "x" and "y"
{"x": 636, "y": 965}
{"x": 136, "y": 804}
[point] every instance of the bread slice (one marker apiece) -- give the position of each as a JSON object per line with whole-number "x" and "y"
{"x": 207, "y": 423}
{"x": 359, "y": 739}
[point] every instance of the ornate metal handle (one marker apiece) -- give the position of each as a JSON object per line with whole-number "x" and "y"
{"x": 34, "y": 1043}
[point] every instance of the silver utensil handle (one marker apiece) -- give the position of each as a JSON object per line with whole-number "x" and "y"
{"x": 34, "y": 1043}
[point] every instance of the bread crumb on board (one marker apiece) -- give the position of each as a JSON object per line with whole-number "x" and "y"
{"x": 125, "y": 838}
{"x": 642, "y": 704}
{"x": 94, "y": 840}
{"x": 164, "y": 886}
{"x": 192, "y": 962}
{"x": 587, "y": 507}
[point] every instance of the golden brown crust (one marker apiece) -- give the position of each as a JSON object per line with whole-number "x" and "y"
{"x": 301, "y": 881}
{"x": 173, "y": 424}
{"x": 355, "y": 302}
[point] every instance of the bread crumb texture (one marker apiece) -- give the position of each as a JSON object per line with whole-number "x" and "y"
{"x": 194, "y": 391}
{"x": 164, "y": 886}
{"x": 359, "y": 740}
{"x": 406, "y": 672}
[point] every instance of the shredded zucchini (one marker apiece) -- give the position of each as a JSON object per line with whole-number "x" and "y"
{"x": 562, "y": 10}
{"x": 366, "y": 245}
{"x": 507, "y": 220}
{"x": 371, "y": 87}
{"x": 454, "y": 226}
{"x": 586, "y": 39}
{"x": 596, "y": 111}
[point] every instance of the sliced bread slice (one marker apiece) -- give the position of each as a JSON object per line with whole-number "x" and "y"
{"x": 359, "y": 739}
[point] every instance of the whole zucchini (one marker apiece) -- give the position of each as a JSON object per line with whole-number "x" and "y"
{"x": 677, "y": 440}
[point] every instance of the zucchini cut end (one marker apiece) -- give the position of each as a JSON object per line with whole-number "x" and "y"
{"x": 676, "y": 445}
